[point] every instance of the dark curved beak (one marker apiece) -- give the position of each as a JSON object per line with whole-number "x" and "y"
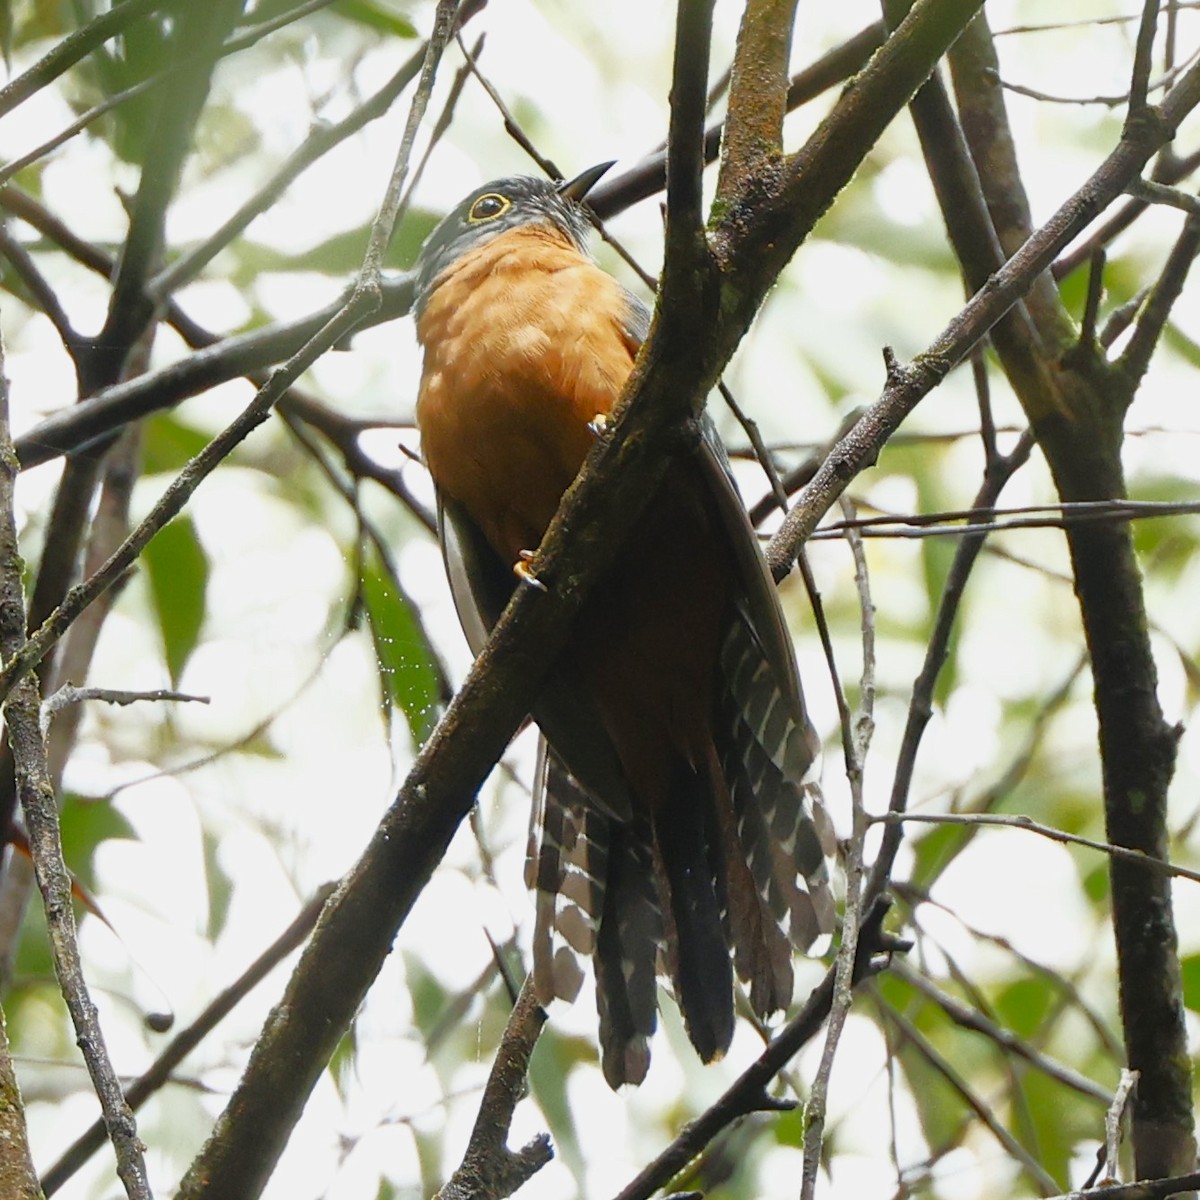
{"x": 575, "y": 189}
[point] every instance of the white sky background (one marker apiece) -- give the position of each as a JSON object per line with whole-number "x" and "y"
{"x": 591, "y": 80}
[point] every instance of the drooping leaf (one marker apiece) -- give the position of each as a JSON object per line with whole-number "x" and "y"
{"x": 177, "y": 568}
{"x": 408, "y": 669}
{"x": 1023, "y": 1005}
{"x": 86, "y": 823}
{"x": 219, "y": 886}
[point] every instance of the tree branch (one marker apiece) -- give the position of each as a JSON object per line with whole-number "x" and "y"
{"x": 753, "y": 142}
{"x": 490, "y": 1170}
{"x": 749, "y": 1092}
{"x": 78, "y": 45}
{"x": 36, "y": 792}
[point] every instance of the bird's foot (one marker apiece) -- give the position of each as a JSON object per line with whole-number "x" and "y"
{"x": 600, "y": 424}
{"x": 524, "y": 572}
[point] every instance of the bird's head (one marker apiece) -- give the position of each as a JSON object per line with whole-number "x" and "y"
{"x": 497, "y": 207}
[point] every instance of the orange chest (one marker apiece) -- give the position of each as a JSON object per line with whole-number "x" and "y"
{"x": 525, "y": 344}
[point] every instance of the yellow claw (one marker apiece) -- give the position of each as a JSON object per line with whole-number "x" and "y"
{"x": 599, "y": 424}
{"x": 524, "y": 572}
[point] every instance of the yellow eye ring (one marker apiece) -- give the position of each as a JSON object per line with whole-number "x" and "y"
{"x": 488, "y": 208}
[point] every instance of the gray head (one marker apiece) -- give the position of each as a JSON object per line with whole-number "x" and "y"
{"x": 498, "y": 207}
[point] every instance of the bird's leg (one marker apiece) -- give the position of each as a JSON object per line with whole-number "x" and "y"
{"x": 524, "y": 572}
{"x": 600, "y": 424}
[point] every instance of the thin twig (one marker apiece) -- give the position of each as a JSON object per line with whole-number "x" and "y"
{"x": 1064, "y": 514}
{"x": 1112, "y": 1125}
{"x": 320, "y": 141}
{"x": 1019, "y": 821}
{"x": 856, "y": 737}
{"x": 970, "y": 1018}
{"x": 921, "y": 1045}
{"x": 36, "y": 793}
{"x": 1161, "y": 193}
{"x": 186, "y": 1040}
{"x": 489, "y": 1169}
{"x": 70, "y": 694}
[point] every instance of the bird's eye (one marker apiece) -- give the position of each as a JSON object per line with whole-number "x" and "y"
{"x": 488, "y": 208}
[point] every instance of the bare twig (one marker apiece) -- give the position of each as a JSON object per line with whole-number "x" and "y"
{"x": 1018, "y": 821}
{"x": 1154, "y": 313}
{"x": 36, "y": 793}
{"x": 1112, "y": 1125}
{"x": 1145, "y": 1189}
{"x": 70, "y": 694}
{"x": 856, "y": 736}
{"x": 78, "y": 45}
{"x": 489, "y": 1169}
{"x": 1160, "y": 193}
{"x": 956, "y": 521}
{"x": 186, "y": 1040}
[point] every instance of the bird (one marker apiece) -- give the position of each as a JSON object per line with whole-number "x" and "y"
{"x": 676, "y": 831}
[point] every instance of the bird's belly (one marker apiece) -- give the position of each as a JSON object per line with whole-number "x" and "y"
{"x": 506, "y": 401}
{"x": 503, "y": 450}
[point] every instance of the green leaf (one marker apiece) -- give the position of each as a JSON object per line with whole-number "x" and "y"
{"x": 220, "y": 888}
{"x": 338, "y": 255}
{"x": 376, "y": 16}
{"x": 344, "y": 1059}
{"x": 167, "y": 444}
{"x": 550, "y": 1070}
{"x": 1024, "y": 1005}
{"x": 85, "y": 823}
{"x": 408, "y": 669}
{"x": 1190, "y": 968}
{"x": 935, "y": 850}
{"x": 177, "y": 568}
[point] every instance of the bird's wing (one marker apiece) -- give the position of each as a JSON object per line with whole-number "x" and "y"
{"x": 756, "y": 590}
{"x": 766, "y": 743}
{"x": 765, "y": 739}
{"x": 481, "y": 584}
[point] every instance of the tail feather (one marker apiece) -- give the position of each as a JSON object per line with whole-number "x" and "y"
{"x": 761, "y": 953}
{"x": 728, "y": 858}
{"x": 766, "y": 751}
{"x": 698, "y": 949}
{"x": 566, "y": 866}
{"x": 626, "y": 958}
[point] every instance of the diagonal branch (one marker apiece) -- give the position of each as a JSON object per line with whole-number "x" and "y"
{"x": 77, "y": 46}
{"x": 908, "y": 385}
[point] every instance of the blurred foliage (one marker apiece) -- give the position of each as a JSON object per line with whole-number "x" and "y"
{"x": 222, "y": 819}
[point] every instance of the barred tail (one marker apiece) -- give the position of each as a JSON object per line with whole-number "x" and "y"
{"x": 766, "y": 750}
